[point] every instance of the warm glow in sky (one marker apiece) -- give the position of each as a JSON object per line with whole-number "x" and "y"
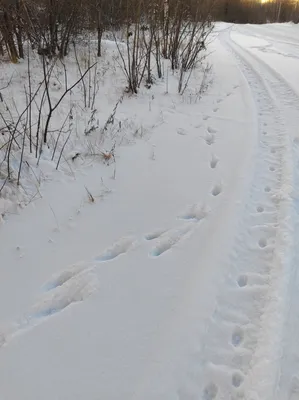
{"x": 268, "y": 1}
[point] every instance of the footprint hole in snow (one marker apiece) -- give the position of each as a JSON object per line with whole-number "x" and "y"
{"x": 46, "y": 313}
{"x": 155, "y": 235}
{"x": 216, "y": 190}
{"x": 59, "y": 305}
{"x": 211, "y": 130}
{"x": 168, "y": 241}
{"x": 294, "y": 387}
{"x": 242, "y": 280}
{"x": 267, "y": 189}
{"x": 264, "y": 133}
{"x": 163, "y": 247}
{"x": 159, "y": 251}
{"x": 2, "y": 339}
{"x": 271, "y": 168}
{"x": 210, "y": 391}
{"x": 196, "y": 212}
{"x": 182, "y": 132}
{"x": 118, "y": 248}
{"x": 76, "y": 291}
{"x": 260, "y": 209}
{"x": 215, "y": 110}
{"x": 63, "y": 277}
{"x": 210, "y": 139}
{"x": 214, "y": 161}
{"x": 237, "y": 380}
{"x": 273, "y": 151}
{"x": 237, "y": 336}
{"x": 262, "y": 243}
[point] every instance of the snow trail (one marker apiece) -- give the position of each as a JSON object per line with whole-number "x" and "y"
{"x": 242, "y": 347}
{"x": 288, "y": 101}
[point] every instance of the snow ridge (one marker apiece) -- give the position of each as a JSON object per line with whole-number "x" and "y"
{"x": 240, "y": 357}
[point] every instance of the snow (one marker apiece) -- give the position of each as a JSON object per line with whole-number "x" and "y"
{"x": 177, "y": 279}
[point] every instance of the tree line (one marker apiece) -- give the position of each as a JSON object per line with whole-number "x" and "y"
{"x": 256, "y": 12}
{"x": 51, "y": 25}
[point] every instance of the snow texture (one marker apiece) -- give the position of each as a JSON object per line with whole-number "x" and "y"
{"x": 179, "y": 280}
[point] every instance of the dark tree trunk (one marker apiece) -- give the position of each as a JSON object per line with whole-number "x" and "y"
{"x": 99, "y": 28}
{"x": 18, "y": 31}
{"x": 8, "y": 38}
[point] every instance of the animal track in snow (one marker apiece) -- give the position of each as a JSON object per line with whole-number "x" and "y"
{"x": 242, "y": 280}
{"x": 237, "y": 336}
{"x": 210, "y": 138}
{"x": 215, "y": 109}
{"x": 155, "y": 234}
{"x": 214, "y": 161}
{"x": 170, "y": 239}
{"x": 260, "y": 209}
{"x": 211, "y": 130}
{"x": 273, "y": 151}
{"x": 262, "y": 243}
{"x": 210, "y": 391}
{"x": 2, "y": 339}
{"x": 75, "y": 289}
{"x": 217, "y": 189}
{"x": 271, "y": 168}
{"x": 206, "y": 117}
{"x": 237, "y": 379}
{"x": 118, "y": 248}
{"x": 294, "y": 388}
{"x": 195, "y": 212}
{"x": 60, "y": 278}
{"x": 181, "y": 132}
{"x": 73, "y": 285}
{"x": 219, "y": 101}
{"x": 267, "y": 189}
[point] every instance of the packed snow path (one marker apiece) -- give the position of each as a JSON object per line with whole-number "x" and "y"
{"x": 188, "y": 288}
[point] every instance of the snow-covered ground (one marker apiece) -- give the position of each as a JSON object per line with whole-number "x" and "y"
{"x": 179, "y": 281}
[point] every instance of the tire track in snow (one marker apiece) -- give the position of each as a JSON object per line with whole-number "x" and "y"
{"x": 288, "y": 380}
{"x": 242, "y": 345}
